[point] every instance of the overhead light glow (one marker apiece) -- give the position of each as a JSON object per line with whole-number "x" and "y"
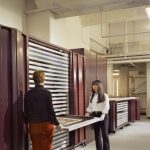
{"x": 116, "y": 74}
{"x": 116, "y": 70}
{"x": 148, "y": 11}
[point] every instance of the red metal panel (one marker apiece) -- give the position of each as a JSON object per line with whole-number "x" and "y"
{"x": 81, "y": 84}
{"x": 112, "y": 116}
{"x": 75, "y": 82}
{"x": 78, "y": 93}
{"x": 5, "y": 90}
{"x": 132, "y": 110}
{"x": 11, "y": 95}
{"x": 21, "y": 85}
{"x": 75, "y": 93}
{"x": 137, "y": 109}
{"x": 71, "y": 86}
{"x": 81, "y": 93}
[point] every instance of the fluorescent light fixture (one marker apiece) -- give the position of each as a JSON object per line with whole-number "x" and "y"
{"x": 148, "y": 11}
{"x": 116, "y": 74}
{"x": 116, "y": 70}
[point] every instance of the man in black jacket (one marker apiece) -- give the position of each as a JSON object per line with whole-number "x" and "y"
{"x": 39, "y": 114}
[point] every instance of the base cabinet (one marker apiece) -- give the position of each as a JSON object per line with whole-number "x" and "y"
{"x": 122, "y": 111}
{"x": 134, "y": 110}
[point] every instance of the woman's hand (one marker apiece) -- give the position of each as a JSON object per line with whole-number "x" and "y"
{"x": 87, "y": 115}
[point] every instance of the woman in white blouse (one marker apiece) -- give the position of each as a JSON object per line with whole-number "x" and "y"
{"x": 99, "y": 107}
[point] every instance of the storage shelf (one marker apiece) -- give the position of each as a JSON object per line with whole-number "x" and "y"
{"x": 122, "y": 112}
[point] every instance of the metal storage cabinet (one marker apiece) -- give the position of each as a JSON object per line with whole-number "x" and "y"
{"x": 122, "y": 111}
{"x": 95, "y": 68}
{"x": 112, "y": 116}
{"x": 134, "y": 109}
{"x": 77, "y": 94}
{"x": 54, "y": 61}
{"x": 118, "y": 115}
{"x": 12, "y": 88}
{"x": 122, "y": 114}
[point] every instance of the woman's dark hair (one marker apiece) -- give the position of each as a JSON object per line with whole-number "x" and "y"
{"x": 101, "y": 97}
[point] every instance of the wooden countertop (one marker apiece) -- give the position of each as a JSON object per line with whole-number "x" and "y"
{"x": 122, "y": 98}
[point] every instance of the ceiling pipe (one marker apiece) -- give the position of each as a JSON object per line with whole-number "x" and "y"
{"x": 127, "y": 61}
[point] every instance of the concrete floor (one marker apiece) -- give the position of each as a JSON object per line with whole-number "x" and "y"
{"x": 135, "y": 136}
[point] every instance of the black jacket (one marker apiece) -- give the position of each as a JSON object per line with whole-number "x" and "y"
{"x": 38, "y": 106}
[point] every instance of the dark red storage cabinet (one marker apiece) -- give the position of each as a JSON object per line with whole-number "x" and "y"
{"x": 14, "y": 83}
{"x": 77, "y": 94}
{"x": 95, "y": 66}
{"x": 134, "y": 110}
{"x": 112, "y": 116}
{"x": 122, "y": 112}
{"x": 12, "y": 87}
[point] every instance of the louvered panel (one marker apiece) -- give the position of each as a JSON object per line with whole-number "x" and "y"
{"x": 49, "y": 86}
{"x": 50, "y": 66}
{"x": 57, "y": 97}
{"x": 52, "y": 78}
{"x": 64, "y": 77}
{"x": 58, "y": 106}
{"x": 39, "y": 57}
{"x": 58, "y": 94}
{"x": 122, "y": 113}
{"x": 51, "y": 56}
{"x": 55, "y": 64}
{"x": 49, "y": 50}
{"x": 48, "y": 70}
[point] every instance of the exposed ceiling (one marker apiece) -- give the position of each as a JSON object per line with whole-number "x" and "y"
{"x": 68, "y": 8}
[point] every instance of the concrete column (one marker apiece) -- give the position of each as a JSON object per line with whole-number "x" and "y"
{"x": 124, "y": 75}
{"x": 148, "y": 90}
{"x": 110, "y": 79}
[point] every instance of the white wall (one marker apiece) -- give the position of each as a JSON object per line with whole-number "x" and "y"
{"x": 11, "y": 13}
{"x": 38, "y": 25}
{"x": 68, "y": 33}
{"x": 71, "y": 33}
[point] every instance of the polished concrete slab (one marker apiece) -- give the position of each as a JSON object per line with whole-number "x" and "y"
{"x": 135, "y": 136}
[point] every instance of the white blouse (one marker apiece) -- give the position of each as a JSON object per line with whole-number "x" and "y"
{"x": 102, "y": 106}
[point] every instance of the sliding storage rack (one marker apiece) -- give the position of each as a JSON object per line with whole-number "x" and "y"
{"x": 54, "y": 61}
{"x": 118, "y": 114}
{"x": 122, "y": 114}
{"x": 123, "y": 110}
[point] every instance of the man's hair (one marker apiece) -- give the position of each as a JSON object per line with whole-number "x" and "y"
{"x": 38, "y": 77}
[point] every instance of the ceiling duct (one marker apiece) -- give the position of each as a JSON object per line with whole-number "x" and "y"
{"x": 121, "y": 59}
